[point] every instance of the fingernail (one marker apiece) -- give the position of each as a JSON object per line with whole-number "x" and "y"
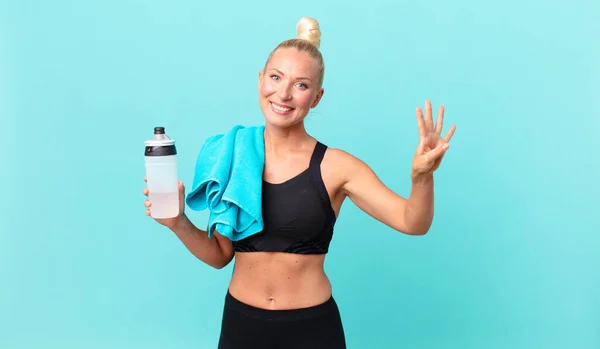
{"x": 445, "y": 146}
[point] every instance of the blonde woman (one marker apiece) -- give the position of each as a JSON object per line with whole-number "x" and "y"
{"x": 279, "y": 295}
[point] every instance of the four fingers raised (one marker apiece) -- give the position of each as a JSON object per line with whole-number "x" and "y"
{"x": 425, "y": 122}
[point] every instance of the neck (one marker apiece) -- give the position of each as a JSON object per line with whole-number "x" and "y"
{"x": 283, "y": 139}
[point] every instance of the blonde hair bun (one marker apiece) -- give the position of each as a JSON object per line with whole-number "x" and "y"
{"x": 308, "y": 29}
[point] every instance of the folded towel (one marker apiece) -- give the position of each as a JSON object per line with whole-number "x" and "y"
{"x": 228, "y": 181}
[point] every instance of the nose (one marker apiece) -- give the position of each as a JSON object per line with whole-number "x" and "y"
{"x": 285, "y": 93}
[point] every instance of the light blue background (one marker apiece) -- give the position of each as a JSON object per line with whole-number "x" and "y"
{"x": 510, "y": 262}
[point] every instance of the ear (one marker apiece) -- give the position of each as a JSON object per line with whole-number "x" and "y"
{"x": 318, "y": 98}
{"x": 260, "y": 76}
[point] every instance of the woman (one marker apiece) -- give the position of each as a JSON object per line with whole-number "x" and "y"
{"x": 279, "y": 295}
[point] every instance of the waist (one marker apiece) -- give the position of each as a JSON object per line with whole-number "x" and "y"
{"x": 278, "y": 281}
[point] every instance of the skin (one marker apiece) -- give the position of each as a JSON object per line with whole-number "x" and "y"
{"x": 273, "y": 280}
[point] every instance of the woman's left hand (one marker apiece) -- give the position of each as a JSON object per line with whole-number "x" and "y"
{"x": 432, "y": 146}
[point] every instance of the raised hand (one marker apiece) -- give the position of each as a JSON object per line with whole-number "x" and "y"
{"x": 168, "y": 222}
{"x": 432, "y": 146}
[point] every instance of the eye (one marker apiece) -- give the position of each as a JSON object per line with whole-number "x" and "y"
{"x": 303, "y": 86}
{"x": 274, "y": 77}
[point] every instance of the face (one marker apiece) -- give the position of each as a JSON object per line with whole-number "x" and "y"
{"x": 288, "y": 87}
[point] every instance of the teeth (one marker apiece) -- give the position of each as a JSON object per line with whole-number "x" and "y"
{"x": 280, "y": 108}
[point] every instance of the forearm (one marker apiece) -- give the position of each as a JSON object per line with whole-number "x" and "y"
{"x": 208, "y": 250}
{"x": 419, "y": 207}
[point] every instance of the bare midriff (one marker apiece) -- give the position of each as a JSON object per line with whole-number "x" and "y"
{"x": 278, "y": 281}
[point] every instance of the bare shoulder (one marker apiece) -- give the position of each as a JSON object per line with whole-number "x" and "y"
{"x": 339, "y": 157}
{"x": 342, "y": 165}
{"x": 343, "y": 160}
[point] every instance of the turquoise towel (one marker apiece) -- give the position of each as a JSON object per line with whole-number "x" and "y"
{"x": 228, "y": 181}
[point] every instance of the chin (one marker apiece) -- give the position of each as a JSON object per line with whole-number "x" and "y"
{"x": 278, "y": 121}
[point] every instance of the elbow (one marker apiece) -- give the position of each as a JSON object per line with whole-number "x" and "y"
{"x": 419, "y": 232}
{"x": 215, "y": 262}
{"x": 222, "y": 263}
{"x": 417, "y": 222}
{"x": 223, "y": 256}
{"x": 218, "y": 265}
{"x": 414, "y": 231}
{"x": 418, "y": 229}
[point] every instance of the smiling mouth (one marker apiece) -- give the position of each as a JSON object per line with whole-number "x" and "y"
{"x": 280, "y": 109}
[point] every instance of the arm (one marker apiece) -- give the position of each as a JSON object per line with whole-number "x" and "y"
{"x": 412, "y": 216}
{"x": 419, "y": 208}
{"x": 216, "y": 251}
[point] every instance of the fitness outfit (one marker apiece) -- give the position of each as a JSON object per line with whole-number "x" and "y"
{"x": 298, "y": 218}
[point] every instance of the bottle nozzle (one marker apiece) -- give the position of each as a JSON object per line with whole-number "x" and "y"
{"x": 159, "y": 134}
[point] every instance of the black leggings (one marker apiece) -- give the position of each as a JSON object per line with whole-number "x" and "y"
{"x": 246, "y": 327}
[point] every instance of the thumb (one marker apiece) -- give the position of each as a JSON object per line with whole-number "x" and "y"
{"x": 421, "y": 146}
{"x": 181, "y": 195}
{"x": 437, "y": 151}
{"x": 181, "y": 189}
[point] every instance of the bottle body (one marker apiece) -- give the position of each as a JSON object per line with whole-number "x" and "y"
{"x": 161, "y": 175}
{"x": 163, "y": 193}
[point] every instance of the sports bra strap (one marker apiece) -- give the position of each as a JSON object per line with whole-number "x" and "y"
{"x": 317, "y": 180}
{"x": 317, "y": 157}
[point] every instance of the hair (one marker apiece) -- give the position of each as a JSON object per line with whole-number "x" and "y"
{"x": 309, "y": 41}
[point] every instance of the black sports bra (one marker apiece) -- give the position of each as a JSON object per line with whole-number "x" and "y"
{"x": 297, "y": 214}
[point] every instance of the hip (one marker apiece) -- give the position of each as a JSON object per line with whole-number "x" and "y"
{"x": 246, "y": 326}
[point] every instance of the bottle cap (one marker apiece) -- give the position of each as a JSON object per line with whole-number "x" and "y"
{"x": 160, "y": 138}
{"x": 161, "y": 145}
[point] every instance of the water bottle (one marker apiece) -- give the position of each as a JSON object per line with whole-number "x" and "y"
{"x": 161, "y": 175}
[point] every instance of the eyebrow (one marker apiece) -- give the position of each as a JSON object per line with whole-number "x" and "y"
{"x": 299, "y": 78}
